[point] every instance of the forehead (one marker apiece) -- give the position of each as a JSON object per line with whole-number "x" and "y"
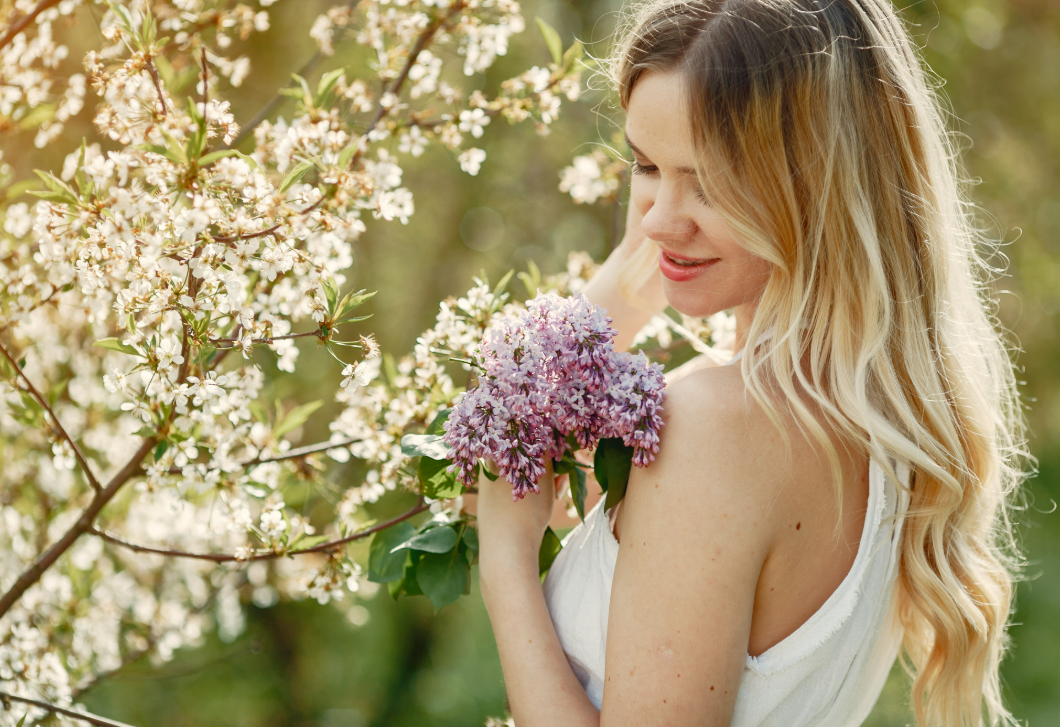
{"x": 657, "y": 126}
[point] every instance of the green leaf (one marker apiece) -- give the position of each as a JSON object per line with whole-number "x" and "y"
{"x": 440, "y": 539}
{"x": 612, "y": 464}
{"x": 471, "y": 539}
{"x": 325, "y": 85}
{"x": 531, "y": 279}
{"x": 176, "y": 151}
{"x": 555, "y": 45}
{"x": 385, "y": 566}
{"x": 435, "y": 427}
{"x": 550, "y": 547}
{"x": 424, "y": 445}
{"x": 347, "y": 153}
{"x": 307, "y": 95}
{"x": 409, "y": 584}
{"x": 311, "y": 541}
{"x": 331, "y": 293}
{"x": 17, "y": 190}
{"x": 215, "y": 155}
{"x": 351, "y": 301}
{"x": 258, "y": 411}
{"x": 295, "y": 174}
{"x": 57, "y": 187}
{"x": 578, "y": 491}
{"x": 503, "y": 283}
{"x": 115, "y": 344}
{"x": 123, "y": 17}
{"x": 438, "y": 483}
{"x": 443, "y": 577}
{"x": 490, "y": 475}
{"x": 355, "y": 319}
{"x": 572, "y": 55}
{"x": 161, "y": 449}
{"x": 296, "y": 418}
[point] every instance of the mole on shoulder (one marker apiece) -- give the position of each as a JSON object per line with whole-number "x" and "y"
{"x": 798, "y": 526}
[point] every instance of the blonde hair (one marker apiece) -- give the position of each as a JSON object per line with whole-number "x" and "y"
{"x": 822, "y": 143}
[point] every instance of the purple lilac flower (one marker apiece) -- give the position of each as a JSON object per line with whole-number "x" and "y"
{"x": 547, "y": 374}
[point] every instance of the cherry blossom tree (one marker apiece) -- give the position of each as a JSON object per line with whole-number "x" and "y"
{"x": 144, "y": 479}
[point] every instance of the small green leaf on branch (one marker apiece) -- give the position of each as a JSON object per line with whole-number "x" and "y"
{"x": 436, "y": 540}
{"x": 115, "y": 344}
{"x": 443, "y": 577}
{"x": 555, "y": 45}
{"x": 424, "y": 445}
{"x": 384, "y": 564}
{"x": 437, "y": 482}
{"x": 295, "y": 418}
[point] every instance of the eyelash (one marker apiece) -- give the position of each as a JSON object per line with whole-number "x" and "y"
{"x": 638, "y": 168}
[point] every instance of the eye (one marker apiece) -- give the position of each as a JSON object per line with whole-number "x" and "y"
{"x": 639, "y": 168}
{"x": 702, "y": 196}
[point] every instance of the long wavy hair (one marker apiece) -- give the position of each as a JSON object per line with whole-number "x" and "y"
{"x": 822, "y": 141}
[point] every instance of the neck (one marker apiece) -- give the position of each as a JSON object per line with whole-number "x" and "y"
{"x": 744, "y": 315}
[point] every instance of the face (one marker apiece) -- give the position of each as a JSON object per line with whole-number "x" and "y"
{"x": 704, "y": 269}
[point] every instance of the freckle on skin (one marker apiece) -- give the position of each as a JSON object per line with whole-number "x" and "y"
{"x": 798, "y": 526}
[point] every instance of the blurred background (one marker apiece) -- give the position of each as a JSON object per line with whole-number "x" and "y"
{"x": 396, "y": 664}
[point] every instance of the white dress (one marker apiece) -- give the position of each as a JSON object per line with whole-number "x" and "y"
{"x": 828, "y": 673}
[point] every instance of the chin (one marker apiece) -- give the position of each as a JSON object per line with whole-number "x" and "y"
{"x": 691, "y": 302}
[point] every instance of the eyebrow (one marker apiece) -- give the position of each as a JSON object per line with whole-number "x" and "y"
{"x": 638, "y": 152}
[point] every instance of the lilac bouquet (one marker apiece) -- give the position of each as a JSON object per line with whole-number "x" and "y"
{"x": 551, "y": 382}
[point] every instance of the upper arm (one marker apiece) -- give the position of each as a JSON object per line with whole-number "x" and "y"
{"x": 695, "y": 534}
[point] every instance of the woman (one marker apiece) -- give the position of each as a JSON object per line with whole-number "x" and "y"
{"x": 838, "y": 493}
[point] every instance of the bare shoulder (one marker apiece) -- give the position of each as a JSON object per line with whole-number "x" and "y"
{"x": 713, "y": 424}
{"x": 696, "y": 529}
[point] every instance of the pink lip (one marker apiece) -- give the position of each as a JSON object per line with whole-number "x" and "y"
{"x": 680, "y": 273}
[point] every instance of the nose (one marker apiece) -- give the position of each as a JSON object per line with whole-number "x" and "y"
{"x": 665, "y": 219}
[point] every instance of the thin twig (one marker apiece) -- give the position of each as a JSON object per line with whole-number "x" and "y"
{"x": 55, "y": 420}
{"x": 83, "y": 525}
{"x": 394, "y": 88}
{"x": 269, "y": 555}
{"x": 19, "y": 25}
{"x": 289, "y": 454}
{"x": 274, "y": 102}
{"x": 93, "y": 719}
{"x": 268, "y": 339}
{"x": 158, "y": 84}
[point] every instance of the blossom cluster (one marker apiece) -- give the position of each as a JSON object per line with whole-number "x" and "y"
{"x": 550, "y": 376}
{"x": 594, "y": 177}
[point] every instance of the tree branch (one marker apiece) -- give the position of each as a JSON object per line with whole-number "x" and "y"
{"x": 19, "y": 25}
{"x": 266, "y": 339}
{"x": 83, "y": 525}
{"x": 289, "y": 454}
{"x": 83, "y": 716}
{"x": 55, "y": 420}
{"x": 395, "y": 87}
{"x": 266, "y": 110}
{"x": 269, "y": 555}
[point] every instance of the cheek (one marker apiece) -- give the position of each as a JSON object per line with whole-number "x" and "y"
{"x": 642, "y": 193}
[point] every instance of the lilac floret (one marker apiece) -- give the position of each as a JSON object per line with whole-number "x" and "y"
{"x": 545, "y": 375}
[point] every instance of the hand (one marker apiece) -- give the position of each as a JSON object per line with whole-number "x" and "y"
{"x": 505, "y": 525}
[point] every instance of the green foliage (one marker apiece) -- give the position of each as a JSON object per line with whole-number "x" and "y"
{"x": 612, "y": 464}
{"x": 546, "y": 554}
